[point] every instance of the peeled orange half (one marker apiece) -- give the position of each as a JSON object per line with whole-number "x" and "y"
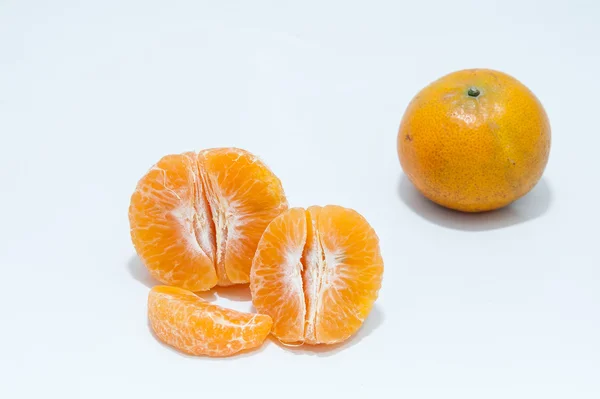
{"x": 196, "y": 218}
{"x": 317, "y": 273}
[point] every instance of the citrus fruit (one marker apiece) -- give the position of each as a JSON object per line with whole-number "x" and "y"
{"x": 317, "y": 273}
{"x": 196, "y": 218}
{"x": 474, "y": 140}
{"x": 187, "y": 322}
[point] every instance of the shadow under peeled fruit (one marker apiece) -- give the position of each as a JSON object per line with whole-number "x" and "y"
{"x": 187, "y": 322}
{"x": 317, "y": 273}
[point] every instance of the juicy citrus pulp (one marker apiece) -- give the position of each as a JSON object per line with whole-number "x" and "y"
{"x": 187, "y": 322}
{"x": 196, "y": 218}
{"x": 317, "y": 273}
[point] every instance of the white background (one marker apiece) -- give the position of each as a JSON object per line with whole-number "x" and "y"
{"x": 498, "y": 305}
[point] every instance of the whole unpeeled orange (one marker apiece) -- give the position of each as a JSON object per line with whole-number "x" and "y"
{"x": 474, "y": 140}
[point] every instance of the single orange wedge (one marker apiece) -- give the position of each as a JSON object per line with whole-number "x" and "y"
{"x": 187, "y": 322}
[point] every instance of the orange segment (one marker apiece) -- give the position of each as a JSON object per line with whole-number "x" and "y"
{"x": 170, "y": 228}
{"x": 246, "y": 196}
{"x": 187, "y": 322}
{"x": 339, "y": 272}
{"x": 276, "y": 280}
{"x": 196, "y": 219}
{"x": 353, "y": 269}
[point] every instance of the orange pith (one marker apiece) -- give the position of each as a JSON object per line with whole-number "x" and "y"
{"x": 187, "y": 322}
{"x": 474, "y": 140}
{"x": 196, "y": 218}
{"x": 317, "y": 273}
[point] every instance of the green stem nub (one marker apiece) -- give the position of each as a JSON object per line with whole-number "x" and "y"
{"x": 473, "y": 92}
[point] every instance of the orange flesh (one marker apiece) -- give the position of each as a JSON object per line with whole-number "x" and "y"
{"x": 276, "y": 281}
{"x": 185, "y": 321}
{"x": 317, "y": 273}
{"x": 196, "y": 219}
